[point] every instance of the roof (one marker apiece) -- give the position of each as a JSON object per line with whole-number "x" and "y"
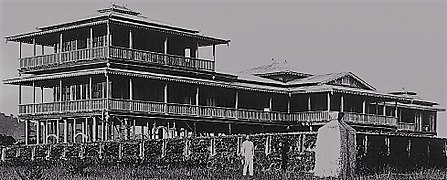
{"x": 118, "y": 14}
{"x": 275, "y": 67}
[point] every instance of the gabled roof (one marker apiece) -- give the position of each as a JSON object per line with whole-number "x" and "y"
{"x": 327, "y": 78}
{"x": 277, "y": 71}
{"x": 275, "y": 67}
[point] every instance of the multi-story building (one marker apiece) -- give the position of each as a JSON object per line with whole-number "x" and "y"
{"x": 118, "y": 75}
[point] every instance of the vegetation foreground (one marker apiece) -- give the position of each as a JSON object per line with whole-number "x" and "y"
{"x": 117, "y": 172}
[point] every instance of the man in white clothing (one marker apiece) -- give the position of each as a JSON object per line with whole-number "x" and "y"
{"x": 248, "y": 151}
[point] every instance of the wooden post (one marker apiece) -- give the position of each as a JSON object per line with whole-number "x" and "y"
{"x": 94, "y": 127}
{"x": 45, "y": 134}
{"x": 134, "y": 135}
{"x": 384, "y": 109}
{"x": 26, "y": 131}
{"x": 130, "y": 89}
{"x": 74, "y": 130}
{"x": 165, "y": 97}
{"x": 65, "y": 130}
{"x": 364, "y": 107}
{"x": 34, "y": 97}
{"x": 197, "y": 50}
{"x": 57, "y": 130}
{"x": 328, "y": 101}
{"x": 43, "y": 49}
{"x": 42, "y": 92}
{"x": 91, "y": 40}
{"x": 270, "y": 103}
{"x": 288, "y": 102}
{"x": 60, "y": 95}
{"x": 85, "y": 130}
{"x": 60, "y": 46}
{"x": 214, "y": 52}
{"x": 395, "y": 109}
{"x": 342, "y": 103}
{"x": 229, "y": 128}
{"x": 165, "y": 49}
{"x": 309, "y": 104}
{"x": 38, "y": 132}
{"x": 130, "y": 40}
{"x": 20, "y": 50}
{"x": 34, "y": 47}
{"x": 20, "y": 94}
{"x": 103, "y": 128}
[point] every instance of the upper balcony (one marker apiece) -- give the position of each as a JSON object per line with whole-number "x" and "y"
{"x": 110, "y": 53}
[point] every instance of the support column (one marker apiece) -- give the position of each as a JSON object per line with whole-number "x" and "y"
{"x": 106, "y": 130}
{"x": 288, "y": 103}
{"x": 91, "y": 39}
{"x": 57, "y": 130}
{"x": 384, "y": 109}
{"x": 43, "y": 49}
{"x": 130, "y": 40}
{"x": 45, "y": 135}
{"x": 42, "y": 92}
{"x": 107, "y": 87}
{"x": 309, "y": 104}
{"x": 20, "y": 50}
{"x": 236, "y": 104}
{"x": 328, "y": 101}
{"x": 26, "y": 131}
{"x": 165, "y": 97}
{"x": 85, "y": 130}
{"x": 214, "y": 52}
{"x": 94, "y": 127}
{"x": 229, "y": 128}
{"x": 197, "y": 50}
{"x": 60, "y": 46}
{"x": 197, "y": 96}
{"x": 342, "y": 103}
{"x": 270, "y": 103}
{"x": 134, "y": 135}
{"x": 20, "y": 94}
{"x": 130, "y": 89}
{"x": 364, "y": 107}
{"x": 60, "y": 91}
{"x": 65, "y": 130}
{"x": 165, "y": 49}
{"x": 38, "y": 132}
{"x": 34, "y": 47}
{"x": 395, "y": 109}
{"x": 109, "y": 35}
{"x": 34, "y": 96}
{"x": 74, "y": 130}
{"x": 103, "y": 128}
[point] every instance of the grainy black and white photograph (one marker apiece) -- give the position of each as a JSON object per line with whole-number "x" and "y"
{"x": 216, "y": 89}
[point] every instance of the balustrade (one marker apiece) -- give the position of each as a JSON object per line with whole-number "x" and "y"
{"x": 63, "y": 57}
{"x": 406, "y": 126}
{"x": 118, "y": 53}
{"x": 201, "y": 111}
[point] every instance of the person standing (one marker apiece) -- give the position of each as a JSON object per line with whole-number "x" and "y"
{"x": 284, "y": 145}
{"x": 248, "y": 152}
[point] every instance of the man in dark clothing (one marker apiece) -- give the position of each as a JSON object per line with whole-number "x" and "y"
{"x": 284, "y": 145}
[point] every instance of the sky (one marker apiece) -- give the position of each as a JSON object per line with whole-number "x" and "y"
{"x": 390, "y": 44}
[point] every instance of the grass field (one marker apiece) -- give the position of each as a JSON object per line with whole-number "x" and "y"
{"x": 119, "y": 172}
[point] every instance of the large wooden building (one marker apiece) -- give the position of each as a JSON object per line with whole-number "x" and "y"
{"x": 117, "y": 75}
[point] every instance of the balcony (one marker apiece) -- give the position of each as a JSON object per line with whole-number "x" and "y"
{"x": 406, "y": 126}
{"x": 113, "y": 52}
{"x": 186, "y": 110}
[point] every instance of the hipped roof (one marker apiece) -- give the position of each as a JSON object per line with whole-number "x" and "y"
{"x": 119, "y": 15}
